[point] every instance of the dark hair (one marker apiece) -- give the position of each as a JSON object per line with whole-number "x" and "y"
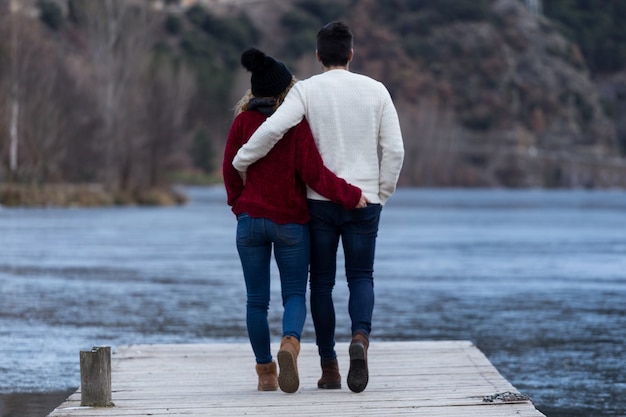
{"x": 334, "y": 43}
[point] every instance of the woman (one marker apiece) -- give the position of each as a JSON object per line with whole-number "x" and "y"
{"x": 271, "y": 210}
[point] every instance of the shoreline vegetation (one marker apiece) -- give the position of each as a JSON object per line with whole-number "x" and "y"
{"x": 86, "y": 195}
{"x": 65, "y": 194}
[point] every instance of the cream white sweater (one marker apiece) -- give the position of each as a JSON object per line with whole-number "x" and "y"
{"x": 351, "y": 116}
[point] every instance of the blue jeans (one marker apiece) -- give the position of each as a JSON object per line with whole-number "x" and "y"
{"x": 255, "y": 237}
{"x": 358, "y": 230}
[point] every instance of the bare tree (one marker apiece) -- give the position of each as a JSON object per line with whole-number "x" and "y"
{"x": 51, "y": 110}
{"x": 169, "y": 93}
{"x": 15, "y": 102}
{"x": 4, "y": 101}
{"x": 119, "y": 41}
{"x": 20, "y": 49}
{"x": 42, "y": 111}
{"x": 10, "y": 26}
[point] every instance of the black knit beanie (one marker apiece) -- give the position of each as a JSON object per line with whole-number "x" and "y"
{"x": 269, "y": 77}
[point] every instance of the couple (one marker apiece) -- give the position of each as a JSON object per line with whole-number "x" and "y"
{"x": 336, "y": 119}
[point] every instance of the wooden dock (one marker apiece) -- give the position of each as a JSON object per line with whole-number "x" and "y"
{"x": 431, "y": 378}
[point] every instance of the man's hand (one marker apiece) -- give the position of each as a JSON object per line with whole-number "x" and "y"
{"x": 242, "y": 174}
{"x": 362, "y": 201}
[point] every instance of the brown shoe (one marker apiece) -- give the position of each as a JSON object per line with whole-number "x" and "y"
{"x": 331, "y": 379}
{"x": 358, "y": 374}
{"x": 268, "y": 381}
{"x": 288, "y": 379}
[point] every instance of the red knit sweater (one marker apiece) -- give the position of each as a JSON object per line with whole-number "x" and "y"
{"x": 275, "y": 185}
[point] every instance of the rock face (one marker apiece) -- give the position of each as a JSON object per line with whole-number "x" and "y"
{"x": 502, "y": 100}
{"x": 494, "y": 96}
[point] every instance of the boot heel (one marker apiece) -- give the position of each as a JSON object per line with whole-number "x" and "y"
{"x": 358, "y": 375}
{"x": 288, "y": 379}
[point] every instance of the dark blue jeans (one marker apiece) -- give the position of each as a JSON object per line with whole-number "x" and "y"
{"x": 358, "y": 230}
{"x": 255, "y": 238}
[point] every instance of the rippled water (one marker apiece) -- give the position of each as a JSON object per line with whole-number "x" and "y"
{"x": 536, "y": 279}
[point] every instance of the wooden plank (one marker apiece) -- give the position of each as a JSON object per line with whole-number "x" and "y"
{"x": 447, "y": 378}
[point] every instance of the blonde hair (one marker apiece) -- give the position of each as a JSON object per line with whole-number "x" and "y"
{"x": 244, "y": 102}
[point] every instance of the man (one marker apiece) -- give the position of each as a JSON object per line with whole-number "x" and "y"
{"x": 352, "y": 118}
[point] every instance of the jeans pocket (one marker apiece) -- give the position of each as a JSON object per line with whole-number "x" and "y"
{"x": 245, "y": 229}
{"x": 290, "y": 233}
{"x": 368, "y": 217}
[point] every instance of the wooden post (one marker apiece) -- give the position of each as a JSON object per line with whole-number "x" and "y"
{"x": 95, "y": 377}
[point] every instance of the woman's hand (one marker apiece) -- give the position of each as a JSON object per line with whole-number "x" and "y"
{"x": 362, "y": 201}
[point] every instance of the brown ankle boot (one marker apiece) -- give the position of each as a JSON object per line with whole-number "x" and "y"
{"x": 288, "y": 379}
{"x": 331, "y": 379}
{"x": 358, "y": 374}
{"x": 268, "y": 381}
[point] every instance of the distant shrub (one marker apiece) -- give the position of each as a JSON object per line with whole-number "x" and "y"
{"x": 300, "y": 20}
{"x": 196, "y": 45}
{"x": 300, "y": 43}
{"x": 50, "y": 13}
{"x": 304, "y": 21}
{"x": 197, "y": 15}
{"x": 76, "y": 11}
{"x": 583, "y": 108}
{"x": 324, "y": 11}
{"x": 302, "y": 28}
{"x": 173, "y": 24}
{"x": 448, "y": 10}
{"x": 414, "y": 24}
{"x": 478, "y": 123}
{"x": 598, "y": 29}
{"x": 202, "y": 151}
{"x": 239, "y": 32}
{"x": 419, "y": 49}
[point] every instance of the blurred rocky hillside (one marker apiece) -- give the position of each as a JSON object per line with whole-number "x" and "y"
{"x": 489, "y": 92}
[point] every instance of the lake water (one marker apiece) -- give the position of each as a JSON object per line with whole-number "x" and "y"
{"x": 536, "y": 279}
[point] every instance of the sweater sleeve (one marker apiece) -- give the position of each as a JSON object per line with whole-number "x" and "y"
{"x": 392, "y": 149}
{"x": 288, "y": 114}
{"x": 310, "y": 167}
{"x": 232, "y": 181}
